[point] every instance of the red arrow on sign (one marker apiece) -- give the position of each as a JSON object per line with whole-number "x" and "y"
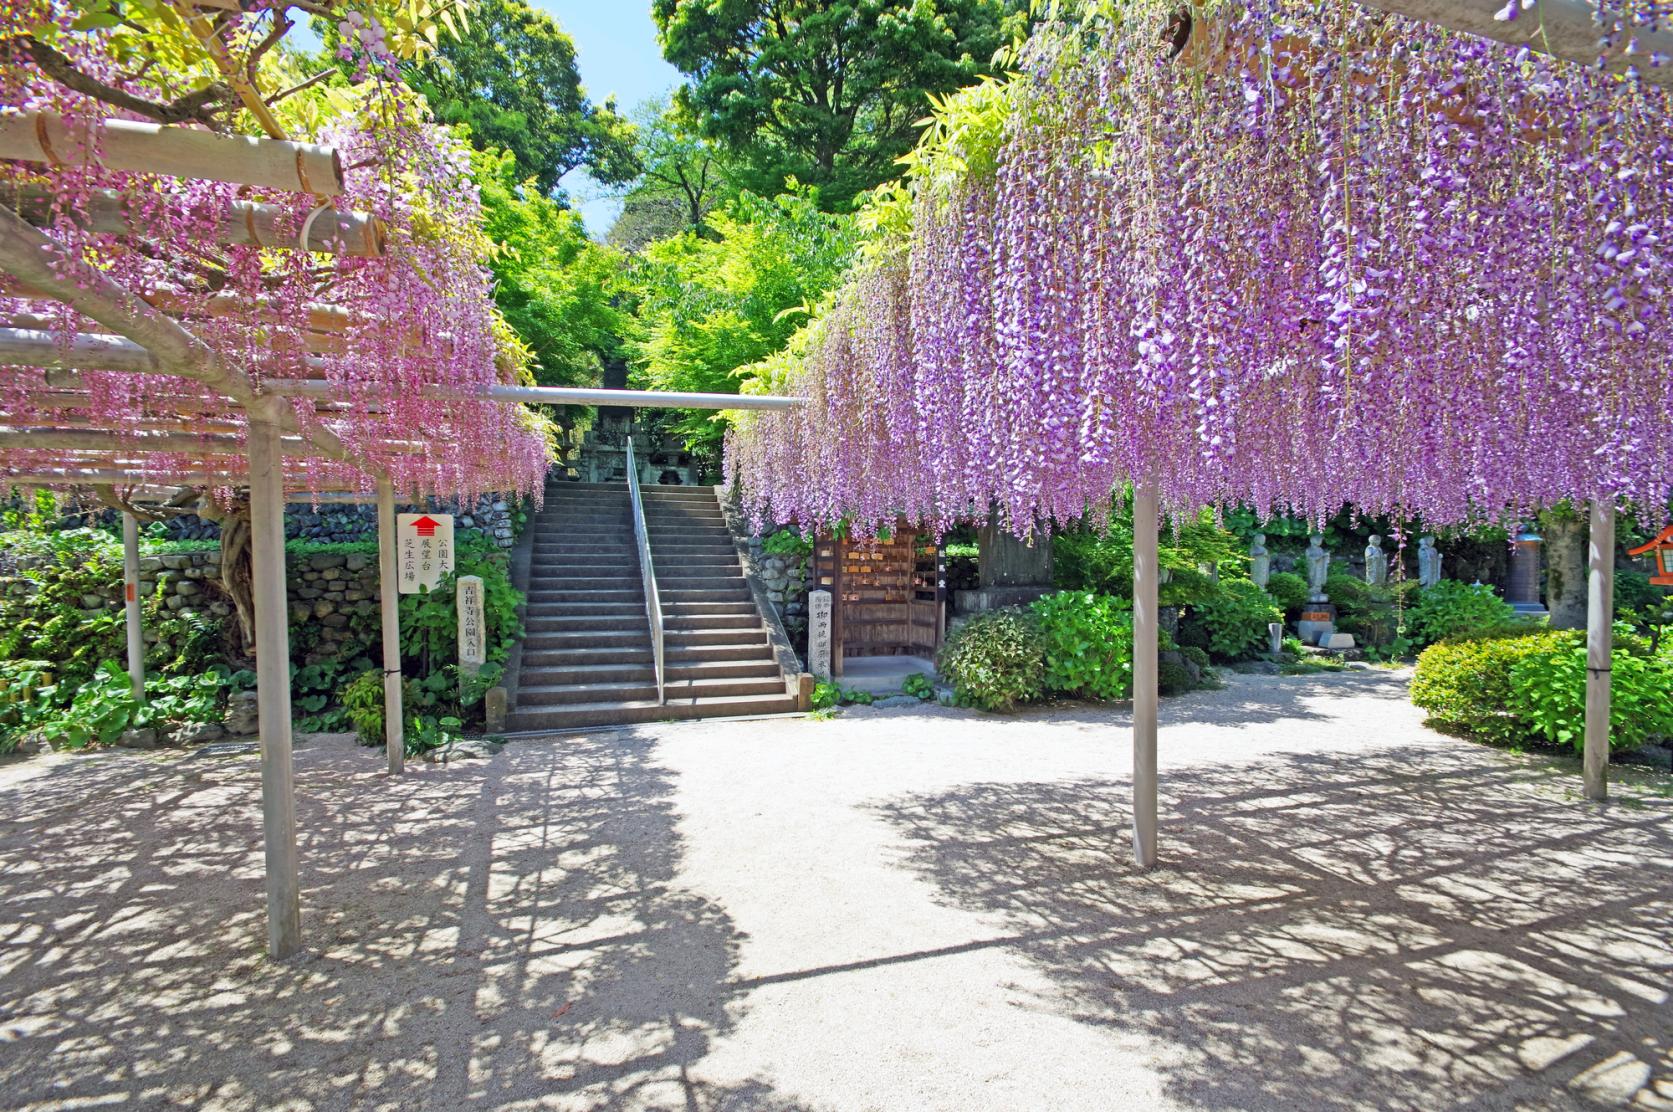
{"x": 426, "y": 526}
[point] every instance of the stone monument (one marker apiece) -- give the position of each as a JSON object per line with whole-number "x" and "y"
{"x": 1260, "y": 561}
{"x": 1428, "y": 562}
{"x": 819, "y": 632}
{"x": 1376, "y": 563}
{"x": 1318, "y": 617}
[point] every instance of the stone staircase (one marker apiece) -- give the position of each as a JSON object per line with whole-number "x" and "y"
{"x": 587, "y": 649}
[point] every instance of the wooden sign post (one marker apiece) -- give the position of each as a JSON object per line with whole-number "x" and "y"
{"x": 424, "y": 544}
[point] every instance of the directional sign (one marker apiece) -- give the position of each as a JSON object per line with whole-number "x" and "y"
{"x": 423, "y": 549}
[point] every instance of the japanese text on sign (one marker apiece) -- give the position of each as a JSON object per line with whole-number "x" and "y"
{"x": 423, "y": 550}
{"x": 473, "y": 639}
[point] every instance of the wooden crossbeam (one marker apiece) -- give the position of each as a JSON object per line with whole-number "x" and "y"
{"x": 245, "y": 223}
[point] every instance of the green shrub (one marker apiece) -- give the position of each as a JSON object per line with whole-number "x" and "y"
{"x": 1455, "y": 610}
{"x": 1172, "y": 679}
{"x": 362, "y": 700}
{"x": 1195, "y": 655}
{"x": 826, "y": 695}
{"x": 1350, "y": 595}
{"x": 1548, "y": 692}
{"x": 1466, "y": 685}
{"x": 1288, "y": 590}
{"x": 995, "y": 660}
{"x": 1235, "y": 618}
{"x": 1088, "y": 640}
{"x": 1634, "y": 592}
{"x": 919, "y": 686}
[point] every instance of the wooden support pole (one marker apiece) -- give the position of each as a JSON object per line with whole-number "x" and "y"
{"x": 1146, "y": 693}
{"x": 183, "y": 152}
{"x": 1600, "y": 616}
{"x": 278, "y": 800}
{"x": 246, "y": 223}
{"x": 394, "y": 723}
{"x": 130, "y": 595}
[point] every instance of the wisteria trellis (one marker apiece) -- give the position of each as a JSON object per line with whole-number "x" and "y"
{"x": 417, "y": 316}
{"x": 1326, "y": 256}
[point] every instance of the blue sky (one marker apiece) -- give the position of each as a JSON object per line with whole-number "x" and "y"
{"x": 615, "y": 43}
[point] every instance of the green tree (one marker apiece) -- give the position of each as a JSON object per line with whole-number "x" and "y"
{"x": 510, "y": 76}
{"x": 829, "y": 92}
{"x": 557, "y": 288}
{"x": 709, "y": 307}
{"x": 680, "y": 180}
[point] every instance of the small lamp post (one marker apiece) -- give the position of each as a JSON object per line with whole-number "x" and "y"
{"x": 1661, "y": 552}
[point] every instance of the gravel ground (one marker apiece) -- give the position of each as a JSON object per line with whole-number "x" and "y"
{"x": 912, "y": 908}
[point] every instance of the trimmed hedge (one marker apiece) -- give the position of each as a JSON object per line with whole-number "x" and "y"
{"x": 995, "y": 660}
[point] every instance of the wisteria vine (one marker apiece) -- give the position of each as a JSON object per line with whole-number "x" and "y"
{"x": 400, "y": 324}
{"x": 1325, "y": 256}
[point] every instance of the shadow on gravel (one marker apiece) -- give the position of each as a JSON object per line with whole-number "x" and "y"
{"x": 478, "y": 935}
{"x": 1401, "y": 930}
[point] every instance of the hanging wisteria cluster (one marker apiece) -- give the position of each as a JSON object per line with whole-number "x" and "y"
{"x": 393, "y": 332}
{"x": 1322, "y": 256}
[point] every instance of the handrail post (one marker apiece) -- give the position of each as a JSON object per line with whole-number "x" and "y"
{"x": 647, "y": 570}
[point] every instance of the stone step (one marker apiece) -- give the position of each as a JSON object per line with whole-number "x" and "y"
{"x": 700, "y": 654}
{"x": 644, "y": 671}
{"x": 583, "y": 623}
{"x": 531, "y": 696}
{"x": 571, "y": 582}
{"x": 676, "y": 560}
{"x": 559, "y": 594}
{"x": 536, "y": 659}
{"x": 688, "y": 623}
{"x": 671, "y": 595}
{"x": 577, "y": 715}
{"x": 587, "y": 609}
{"x": 544, "y": 641}
{"x": 687, "y": 609}
{"x": 692, "y": 638}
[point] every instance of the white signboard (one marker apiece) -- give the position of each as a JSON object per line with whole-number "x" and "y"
{"x": 423, "y": 550}
{"x": 819, "y": 634}
{"x": 473, "y": 638}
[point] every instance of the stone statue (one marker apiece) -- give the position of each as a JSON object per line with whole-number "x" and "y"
{"x": 1318, "y": 568}
{"x": 1376, "y": 563}
{"x": 1260, "y": 561}
{"x": 1428, "y": 562}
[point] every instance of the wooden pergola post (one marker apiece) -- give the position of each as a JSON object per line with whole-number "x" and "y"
{"x": 278, "y": 798}
{"x": 1146, "y": 694}
{"x": 394, "y": 731}
{"x": 130, "y": 597}
{"x": 1600, "y": 617}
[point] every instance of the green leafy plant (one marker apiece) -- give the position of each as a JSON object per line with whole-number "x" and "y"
{"x": 1236, "y": 618}
{"x": 362, "y": 700}
{"x": 1466, "y": 686}
{"x": 919, "y": 686}
{"x": 1288, "y": 590}
{"x": 1454, "y": 610}
{"x": 826, "y": 695}
{"x": 1548, "y": 692}
{"x": 104, "y": 707}
{"x": 1088, "y": 642}
{"x": 425, "y": 734}
{"x": 995, "y": 660}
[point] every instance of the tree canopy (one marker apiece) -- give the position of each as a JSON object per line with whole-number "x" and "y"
{"x": 828, "y": 93}
{"x": 511, "y": 77}
{"x": 681, "y": 178}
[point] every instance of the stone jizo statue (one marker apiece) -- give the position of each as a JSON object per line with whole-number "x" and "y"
{"x": 1376, "y": 563}
{"x": 1318, "y": 568}
{"x": 1428, "y": 562}
{"x": 1260, "y": 561}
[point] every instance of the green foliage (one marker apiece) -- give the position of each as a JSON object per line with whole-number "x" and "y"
{"x": 1466, "y": 685}
{"x": 1236, "y": 618}
{"x": 102, "y": 707}
{"x": 1548, "y": 693}
{"x": 559, "y": 291}
{"x": 919, "y": 686}
{"x": 826, "y": 695}
{"x": 995, "y": 660}
{"x": 362, "y": 701}
{"x": 1350, "y": 595}
{"x": 1452, "y": 609}
{"x": 681, "y": 179}
{"x": 510, "y": 77}
{"x": 430, "y": 621}
{"x": 425, "y": 734}
{"x": 709, "y": 307}
{"x": 961, "y": 551}
{"x": 1199, "y": 656}
{"x": 1086, "y": 560}
{"x": 54, "y": 623}
{"x": 1172, "y": 679}
{"x": 829, "y": 92}
{"x": 1288, "y": 590}
{"x": 1088, "y": 642}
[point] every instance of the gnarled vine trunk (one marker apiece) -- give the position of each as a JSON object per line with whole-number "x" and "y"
{"x": 237, "y": 572}
{"x": 1565, "y": 567}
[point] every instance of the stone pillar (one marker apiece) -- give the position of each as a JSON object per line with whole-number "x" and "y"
{"x": 1010, "y": 571}
{"x": 819, "y": 618}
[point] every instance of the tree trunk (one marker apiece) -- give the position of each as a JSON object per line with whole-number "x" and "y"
{"x": 237, "y": 575}
{"x": 1565, "y": 568}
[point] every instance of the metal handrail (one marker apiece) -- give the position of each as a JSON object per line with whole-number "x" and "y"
{"x": 647, "y": 570}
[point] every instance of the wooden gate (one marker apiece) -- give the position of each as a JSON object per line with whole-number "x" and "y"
{"x": 888, "y": 597}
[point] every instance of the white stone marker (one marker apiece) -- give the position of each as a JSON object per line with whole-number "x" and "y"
{"x": 473, "y": 637}
{"x": 819, "y": 634}
{"x": 424, "y": 548}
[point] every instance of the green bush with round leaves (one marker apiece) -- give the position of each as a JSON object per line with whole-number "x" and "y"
{"x": 995, "y": 660}
{"x": 1288, "y": 590}
{"x": 1465, "y": 686}
{"x": 1236, "y": 617}
{"x": 1455, "y": 610}
{"x": 1088, "y": 644}
{"x": 1548, "y": 693}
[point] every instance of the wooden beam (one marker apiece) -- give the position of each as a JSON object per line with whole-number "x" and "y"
{"x": 1560, "y": 28}
{"x": 278, "y": 799}
{"x": 1600, "y": 617}
{"x": 98, "y": 440}
{"x": 245, "y": 223}
{"x": 389, "y": 605}
{"x": 130, "y": 601}
{"x": 183, "y": 152}
{"x": 1146, "y": 689}
{"x": 554, "y": 395}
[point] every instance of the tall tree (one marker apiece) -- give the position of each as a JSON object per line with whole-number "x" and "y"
{"x": 511, "y": 77}
{"x": 556, "y": 287}
{"x": 680, "y": 181}
{"x": 826, "y": 91}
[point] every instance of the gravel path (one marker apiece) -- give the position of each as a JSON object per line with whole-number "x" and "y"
{"x": 898, "y": 909}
